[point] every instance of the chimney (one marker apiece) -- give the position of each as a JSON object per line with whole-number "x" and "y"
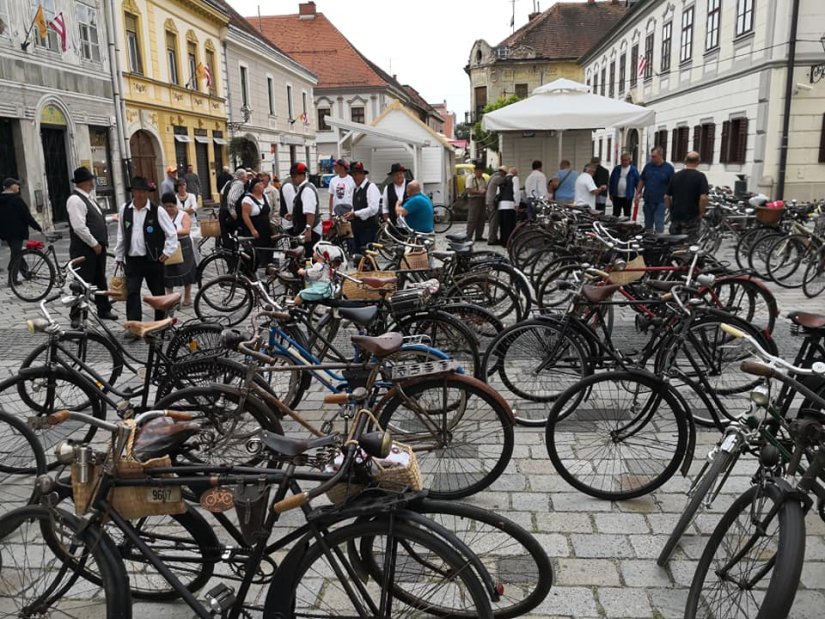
{"x": 532, "y": 16}
{"x": 591, "y": 1}
{"x": 306, "y": 10}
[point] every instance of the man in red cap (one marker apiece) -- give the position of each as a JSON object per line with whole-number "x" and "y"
{"x": 306, "y": 218}
{"x": 341, "y": 186}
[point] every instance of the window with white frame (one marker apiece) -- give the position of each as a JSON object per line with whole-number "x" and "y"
{"x": 289, "y": 108}
{"x": 87, "y": 26}
{"x": 622, "y": 71}
{"x": 244, "y": 85}
{"x": 270, "y": 94}
{"x": 304, "y": 103}
{"x": 744, "y": 16}
{"x": 133, "y": 43}
{"x": 192, "y": 65}
{"x": 49, "y": 10}
{"x": 686, "y": 42}
{"x": 667, "y": 39}
{"x": 172, "y": 57}
{"x": 712, "y": 30}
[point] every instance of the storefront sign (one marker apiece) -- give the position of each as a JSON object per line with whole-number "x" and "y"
{"x": 53, "y": 115}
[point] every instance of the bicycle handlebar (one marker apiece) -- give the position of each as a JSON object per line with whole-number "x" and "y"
{"x": 817, "y": 369}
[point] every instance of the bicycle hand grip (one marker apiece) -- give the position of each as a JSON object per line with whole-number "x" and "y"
{"x": 58, "y": 418}
{"x": 178, "y": 415}
{"x": 732, "y": 331}
{"x": 336, "y": 398}
{"x": 291, "y": 502}
{"x": 757, "y": 369}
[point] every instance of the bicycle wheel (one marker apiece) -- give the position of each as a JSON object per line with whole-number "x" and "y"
{"x": 43, "y": 391}
{"x": 536, "y": 361}
{"x": 229, "y": 418}
{"x": 421, "y": 576}
{"x": 44, "y": 552}
{"x": 758, "y": 255}
{"x": 91, "y": 348}
{"x": 489, "y": 293}
{"x": 512, "y": 278}
{"x": 459, "y": 428}
{"x": 557, "y": 285}
{"x": 814, "y": 279}
{"x": 746, "y": 242}
{"x": 514, "y": 558}
{"x": 625, "y": 437}
{"x": 213, "y": 266}
{"x": 746, "y": 298}
{"x": 193, "y": 339}
{"x": 704, "y": 489}
{"x": 442, "y": 218}
{"x": 482, "y": 322}
{"x": 786, "y": 260}
{"x": 751, "y": 565}
{"x": 445, "y": 332}
{"x": 226, "y": 300}
{"x": 21, "y": 461}
{"x": 31, "y": 275}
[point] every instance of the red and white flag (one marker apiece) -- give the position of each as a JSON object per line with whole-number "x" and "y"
{"x": 58, "y": 24}
{"x": 642, "y": 66}
{"x": 204, "y": 73}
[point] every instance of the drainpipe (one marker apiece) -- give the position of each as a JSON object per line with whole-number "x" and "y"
{"x": 117, "y": 90}
{"x": 229, "y": 125}
{"x": 786, "y": 120}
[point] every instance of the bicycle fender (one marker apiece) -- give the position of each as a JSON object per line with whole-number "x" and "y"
{"x": 436, "y": 352}
{"x": 690, "y": 448}
{"x": 281, "y": 592}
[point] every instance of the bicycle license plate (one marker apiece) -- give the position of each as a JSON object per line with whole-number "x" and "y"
{"x": 729, "y": 443}
{"x": 413, "y": 370}
{"x": 166, "y": 494}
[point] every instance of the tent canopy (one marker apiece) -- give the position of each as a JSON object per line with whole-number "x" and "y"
{"x": 565, "y": 104}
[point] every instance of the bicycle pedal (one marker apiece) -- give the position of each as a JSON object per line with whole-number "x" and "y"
{"x": 220, "y": 599}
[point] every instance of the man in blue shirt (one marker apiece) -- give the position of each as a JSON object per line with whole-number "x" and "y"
{"x": 653, "y": 184}
{"x": 417, "y": 210}
{"x": 564, "y": 183}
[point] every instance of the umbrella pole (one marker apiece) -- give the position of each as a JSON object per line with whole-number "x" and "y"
{"x": 561, "y": 133}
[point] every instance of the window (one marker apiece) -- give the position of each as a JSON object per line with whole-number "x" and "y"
{"x": 210, "y": 64}
{"x": 50, "y": 42}
{"x": 679, "y": 147}
{"x": 521, "y": 91}
{"x": 322, "y": 119}
{"x": 609, "y": 153}
{"x": 133, "y": 43}
{"x": 307, "y": 156}
{"x": 289, "y": 109}
{"x": 270, "y": 93}
{"x": 596, "y": 82}
{"x": 244, "y": 86}
{"x": 611, "y": 91}
{"x": 87, "y": 25}
{"x": 648, "y": 72}
{"x": 712, "y": 31}
{"x": 218, "y": 150}
{"x": 622, "y": 72}
{"x": 686, "y": 43}
{"x": 172, "y": 57}
{"x": 822, "y": 142}
{"x": 604, "y": 81}
{"x": 181, "y": 146}
{"x": 703, "y": 141}
{"x": 744, "y": 16}
{"x": 599, "y": 153}
{"x": 304, "y": 104}
{"x": 634, "y": 64}
{"x": 480, "y": 94}
{"x": 660, "y": 139}
{"x": 99, "y": 145}
{"x": 192, "y": 61}
{"x": 667, "y": 36}
{"x": 357, "y": 114}
{"x": 734, "y": 145}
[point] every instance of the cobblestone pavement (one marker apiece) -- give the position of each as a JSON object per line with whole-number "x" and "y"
{"x": 603, "y": 553}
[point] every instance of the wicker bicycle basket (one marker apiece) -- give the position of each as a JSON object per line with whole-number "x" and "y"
{"x": 769, "y": 216}
{"x": 131, "y": 502}
{"x": 356, "y": 291}
{"x": 210, "y": 228}
{"x": 385, "y": 476}
{"x": 415, "y": 260}
{"x": 623, "y": 277}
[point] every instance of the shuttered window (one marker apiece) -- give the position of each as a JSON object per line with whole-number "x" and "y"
{"x": 734, "y": 141}
{"x": 679, "y": 148}
{"x": 660, "y": 139}
{"x": 822, "y": 142}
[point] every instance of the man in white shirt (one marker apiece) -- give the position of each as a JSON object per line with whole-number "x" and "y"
{"x": 535, "y": 186}
{"x": 585, "y": 189}
{"x": 341, "y": 186}
{"x": 509, "y": 197}
{"x": 306, "y": 218}
{"x": 394, "y": 191}
{"x": 89, "y": 238}
{"x": 287, "y": 198}
{"x": 366, "y": 200}
{"x": 146, "y": 237}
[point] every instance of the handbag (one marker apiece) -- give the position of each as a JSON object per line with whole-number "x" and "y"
{"x": 117, "y": 285}
{"x": 176, "y": 257}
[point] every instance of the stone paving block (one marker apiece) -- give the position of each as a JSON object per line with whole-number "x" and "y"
{"x": 548, "y": 483}
{"x": 602, "y": 546}
{"x": 577, "y": 502}
{"x": 621, "y": 523}
{"x": 647, "y": 546}
{"x": 510, "y": 483}
{"x": 623, "y": 602}
{"x": 538, "y": 466}
{"x": 568, "y": 602}
{"x": 554, "y": 544}
{"x": 565, "y": 522}
{"x": 530, "y": 501}
{"x": 644, "y": 573}
{"x": 640, "y": 505}
{"x": 668, "y": 603}
{"x": 662, "y": 524}
{"x": 682, "y": 571}
{"x": 813, "y": 574}
{"x": 602, "y": 572}
{"x": 807, "y": 604}
{"x": 815, "y": 548}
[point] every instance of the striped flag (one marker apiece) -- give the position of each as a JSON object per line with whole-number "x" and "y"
{"x": 642, "y": 66}
{"x": 58, "y": 24}
{"x": 204, "y": 73}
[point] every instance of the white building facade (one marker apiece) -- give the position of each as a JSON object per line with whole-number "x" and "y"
{"x": 715, "y": 73}
{"x": 58, "y": 106}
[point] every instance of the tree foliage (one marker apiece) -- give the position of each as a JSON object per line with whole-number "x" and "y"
{"x": 462, "y": 131}
{"x": 245, "y": 150}
{"x": 489, "y": 139}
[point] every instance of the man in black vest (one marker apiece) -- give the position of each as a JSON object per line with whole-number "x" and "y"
{"x": 146, "y": 237}
{"x": 306, "y": 218}
{"x": 366, "y": 200}
{"x": 89, "y": 238}
{"x": 394, "y": 192}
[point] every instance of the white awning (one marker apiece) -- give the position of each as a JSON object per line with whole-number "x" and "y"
{"x": 201, "y": 139}
{"x": 219, "y": 141}
{"x": 182, "y": 138}
{"x": 349, "y": 125}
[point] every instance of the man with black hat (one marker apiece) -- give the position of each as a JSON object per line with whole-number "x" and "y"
{"x": 305, "y": 208}
{"x": 89, "y": 238}
{"x": 146, "y": 237}
{"x": 15, "y": 220}
{"x": 394, "y": 192}
{"x": 341, "y": 185}
{"x": 366, "y": 200}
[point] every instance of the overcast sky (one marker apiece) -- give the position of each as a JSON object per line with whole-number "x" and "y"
{"x": 425, "y": 43}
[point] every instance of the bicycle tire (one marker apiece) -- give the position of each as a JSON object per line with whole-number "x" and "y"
{"x": 446, "y": 401}
{"x": 813, "y": 282}
{"x": 433, "y": 563}
{"x": 511, "y": 277}
{"x": 758, "y": 254}
{"x": 37, "y": 279}
{"x": 722, "y": 462}
{"x": 45, "y": 581}
{"x": 22, "y": 460}
{"x": 212, "y": 267}
{"x": 747, "y": 298}
{"x": 442, "y": 218}
{"x": 745, "y": 243}
{"x": 787, "y": 559}
{"x": 482, "y": 322}
{"x": 226, "y": 300}
{"x": 557, "y": 286}
{"x": 575, "y": 436}
{"x": 488, "y": 293}
{"x": 446, "y": 333}
{"x": 194, "y": 339}
{"x": 104, "y": 357}
{"x": 785, "y": 257}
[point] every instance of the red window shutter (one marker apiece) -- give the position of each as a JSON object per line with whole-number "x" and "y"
{"x": 822, "y": 142}
{"x": 723, "y": 150}
{"x": 674, "y": 147}
{"x": 742, "y": 141}
{"x": 697, "y": 138}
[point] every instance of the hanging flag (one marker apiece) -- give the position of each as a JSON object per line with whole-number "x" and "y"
{"x": 40, "y": 22}
{"x": 642, "y": 66}
{"x": 2, "y": 26}
{"x": 58, "y": 24}
{"x": 204, "y": 73}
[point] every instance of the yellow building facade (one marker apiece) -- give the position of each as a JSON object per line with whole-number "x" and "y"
{"x": 175, "y": 108}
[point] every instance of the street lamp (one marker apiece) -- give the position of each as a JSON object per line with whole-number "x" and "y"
{"x": 246, "y": 114}
{"x": 818, "y": 70}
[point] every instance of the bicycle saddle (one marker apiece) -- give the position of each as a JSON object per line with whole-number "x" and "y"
{"x": 670, "y": 239}
{"x": 380, "y": 346}
{"x": 296, "y": 253}
{"x": 597, "y": 294}
{"x": 457, "y": 238}
{"x": 163, "y": 302}
{"x": 360, "y": 315}
{"x": 443, "y": 255}
{"x": 288, "y": 446}
{"x": 807, "y": 320}
{"x": 142, "y": 329}
{"x": 462, "y": 249}
{"x": 160, "y": 437}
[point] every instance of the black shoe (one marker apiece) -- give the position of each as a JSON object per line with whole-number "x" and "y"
{"x": 493, "y": 243}
{"x": 480, "y": 239}
{"x": 110, "y": 315}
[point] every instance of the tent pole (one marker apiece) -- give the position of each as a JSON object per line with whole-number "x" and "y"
{"x": 561, "y": 134}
